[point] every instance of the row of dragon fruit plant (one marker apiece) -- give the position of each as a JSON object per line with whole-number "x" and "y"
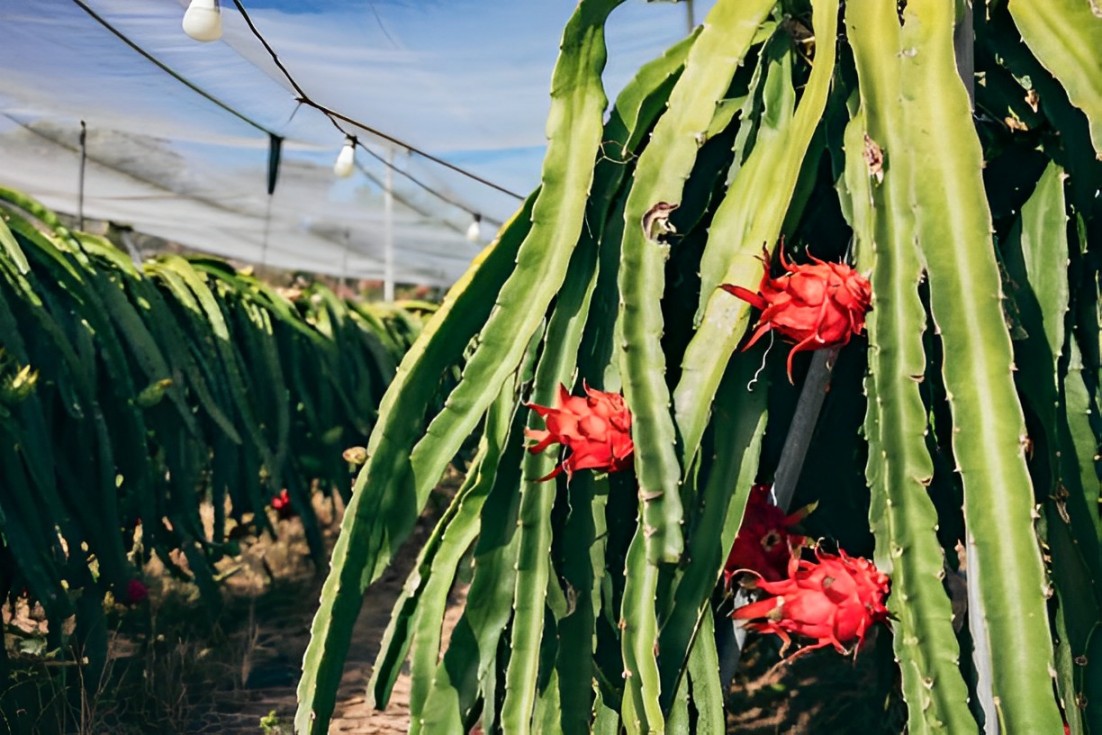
{"x": 934, "y": 161}
{"x": 132, "y": 393}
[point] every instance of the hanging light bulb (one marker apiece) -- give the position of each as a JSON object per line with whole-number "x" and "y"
{"x": 346, "y": 160}
{"x": 474, "y": 232}
{"x": 203, "y": 20}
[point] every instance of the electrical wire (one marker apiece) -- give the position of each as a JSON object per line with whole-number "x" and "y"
{"x": 168, "y": 70}
{"x": 334, "y": 115}
{"x": 426, "y": 187}
{"x": 302, "y": 98}
{"x": 410, "y": 205}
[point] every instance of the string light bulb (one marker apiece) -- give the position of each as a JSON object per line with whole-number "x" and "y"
{"x": 346, "y": 159}
{"x": 474, "y": 232}
{"x": 203, "y": 20}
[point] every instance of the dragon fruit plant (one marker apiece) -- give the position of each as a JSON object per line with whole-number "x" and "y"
{"x": 936, "y": 161}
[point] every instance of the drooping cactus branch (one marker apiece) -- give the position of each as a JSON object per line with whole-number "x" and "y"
{"x": 591, "y": 596}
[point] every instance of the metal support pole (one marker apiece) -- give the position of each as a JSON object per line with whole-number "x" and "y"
{"x": 125, "y": 234}
{"x": 690, "y": 20}
{"x": 388, "y": 229}
{"x": 80, "y": 184}
{"x": 267, "y": 234}
{"x": 796, "y": 444}
{"x": 798, "y": 441}
{"x": 344, "y": 256}
{"x": 964, "y": 49}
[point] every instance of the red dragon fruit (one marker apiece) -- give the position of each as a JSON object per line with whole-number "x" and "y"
{"x": 764, "y": 543}
{"x": 833, "y": 600}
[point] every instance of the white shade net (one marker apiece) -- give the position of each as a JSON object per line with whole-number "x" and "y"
{"x": 463, "y": 81}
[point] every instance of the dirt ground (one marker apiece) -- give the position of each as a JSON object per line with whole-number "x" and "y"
{"x": 223, "y": 673}
{"x": 280, "y": 641}
{"x": 228, "y": 673}
{"x": 281, "y": 635}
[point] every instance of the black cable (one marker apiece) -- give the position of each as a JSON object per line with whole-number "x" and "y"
{"x": 405, "y": 202}
{"x": 168, "y": 70}
{"x": 412, "y": 149}
{"x": 426, "y": 187}
{"x": 302, "y": 98}
{"x": 334, "y": 115}
{"x": 382, "y": 26}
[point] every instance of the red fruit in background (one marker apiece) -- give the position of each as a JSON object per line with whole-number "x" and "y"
{"x": 136, "y": 592}
{"x": 833, "y": 600}
{"x": 281, "y": 504}
{"x": 595, "y": 428}
{"x": 764, "y": 544}
{"x": 817, "y": 305}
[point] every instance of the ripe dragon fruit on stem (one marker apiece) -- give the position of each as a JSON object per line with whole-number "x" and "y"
{"x": 815, "y": 305}
{"x": 833, "y": 600}
{"x": 595, "y": 428}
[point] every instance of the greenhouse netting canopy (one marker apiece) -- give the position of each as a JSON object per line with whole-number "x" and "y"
{"x": 228, "y": 147}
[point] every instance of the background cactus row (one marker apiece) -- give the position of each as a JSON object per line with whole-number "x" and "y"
{"x": 130, "y": 394}
{"x": 951, "y": 152}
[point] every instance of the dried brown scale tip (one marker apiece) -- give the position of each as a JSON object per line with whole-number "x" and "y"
{"x": 355, "y": 455}
{"x": 874, "y": 159}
